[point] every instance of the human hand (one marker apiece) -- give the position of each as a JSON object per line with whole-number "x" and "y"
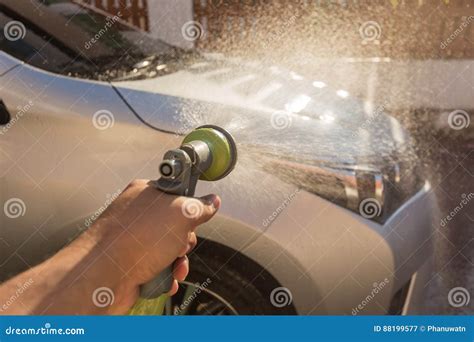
{"x": 145, "y": 230}
{"x": 156, "y": 229}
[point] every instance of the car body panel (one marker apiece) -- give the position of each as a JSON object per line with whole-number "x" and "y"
{"x": 330, "y": 258}
{"x": 7, "y": 63}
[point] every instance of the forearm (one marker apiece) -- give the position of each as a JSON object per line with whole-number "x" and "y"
{"x": 68, "y": 282}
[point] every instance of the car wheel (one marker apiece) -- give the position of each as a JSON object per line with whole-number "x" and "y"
{"x": 223, "y": 282}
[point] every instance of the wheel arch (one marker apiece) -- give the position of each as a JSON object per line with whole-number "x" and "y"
{"x": 249, "y": 268}
{"x": 260, "y": 250}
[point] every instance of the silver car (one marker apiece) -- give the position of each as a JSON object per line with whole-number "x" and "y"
{"x": 327, "y": 211}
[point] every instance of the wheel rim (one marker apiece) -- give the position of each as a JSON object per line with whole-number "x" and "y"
{"x": 194, "y": 299}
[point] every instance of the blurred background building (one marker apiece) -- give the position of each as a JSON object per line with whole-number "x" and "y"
{"x": 422, "y": 25}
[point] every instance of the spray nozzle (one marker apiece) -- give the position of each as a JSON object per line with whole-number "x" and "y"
{"x": 209, "y": 153}
{"x": 170, "y": 169}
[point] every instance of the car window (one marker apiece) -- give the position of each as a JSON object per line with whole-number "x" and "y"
{"x": 74, "y": 39}
{"x": 33, "y": 48}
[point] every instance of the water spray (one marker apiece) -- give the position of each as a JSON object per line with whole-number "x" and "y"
{"x": 208, "y": 153}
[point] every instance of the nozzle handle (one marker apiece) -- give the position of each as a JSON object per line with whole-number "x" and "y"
{"x": 177, "y": 178}
{"x": 159, "y": 285}
{"x": 163, "y": 281}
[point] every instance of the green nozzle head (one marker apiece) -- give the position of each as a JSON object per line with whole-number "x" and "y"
{"x": 222, "y": 147}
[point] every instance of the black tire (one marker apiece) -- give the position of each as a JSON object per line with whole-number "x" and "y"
{"x": 230, "y": 283}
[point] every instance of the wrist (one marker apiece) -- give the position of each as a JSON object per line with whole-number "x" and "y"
{"x": 124, "y": 252}
{"x": 119, "y": 246}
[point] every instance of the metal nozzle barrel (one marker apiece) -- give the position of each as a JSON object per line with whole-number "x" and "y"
{"x": 170, "y": 169}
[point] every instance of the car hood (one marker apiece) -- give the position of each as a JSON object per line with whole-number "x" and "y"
{"x": 268, "y": 109}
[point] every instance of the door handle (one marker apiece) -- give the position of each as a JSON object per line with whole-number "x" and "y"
{"x": 4, "y": 114}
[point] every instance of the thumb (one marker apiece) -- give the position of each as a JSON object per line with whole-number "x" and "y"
{"x": 211, "y": 203}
